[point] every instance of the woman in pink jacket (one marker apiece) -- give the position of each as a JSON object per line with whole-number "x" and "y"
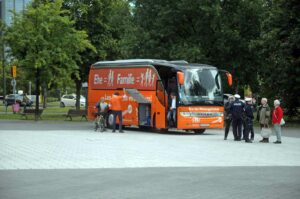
{"x": 276, "y": 118}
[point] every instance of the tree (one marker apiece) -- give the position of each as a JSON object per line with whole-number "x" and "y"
{"x": 44, "y": 41}
{"x": 216, "y": 32}
{"x": 106, "y": 22}
{"x": 279, "y": 46}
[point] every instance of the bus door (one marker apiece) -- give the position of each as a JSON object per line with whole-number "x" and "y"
{"x": 160, "y": 106}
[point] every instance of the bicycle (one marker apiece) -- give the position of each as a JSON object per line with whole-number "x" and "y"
{"x": 100, "y": 123}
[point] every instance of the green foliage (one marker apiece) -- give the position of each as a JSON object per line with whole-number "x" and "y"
{"x": 215, "y": 32}
{"x": 279, "y": 46}
{"x": 105, "y": 21}
{"x": 44, "y": 37}
{"x": 258, "y": 41}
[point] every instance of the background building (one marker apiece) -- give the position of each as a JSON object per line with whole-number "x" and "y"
{"x": 8, "y": 5}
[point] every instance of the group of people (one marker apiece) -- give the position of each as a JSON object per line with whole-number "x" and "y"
{"x": 241, "y": 115}
{"x": 116, "y": 109}
{"x": 237, "y": 113}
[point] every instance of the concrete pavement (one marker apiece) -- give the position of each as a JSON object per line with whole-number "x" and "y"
{"x": 70, "y": 160}
{"x": 133, "y": 149}
{"x": 83, "y": 125}
{"x": 153, "y": 183}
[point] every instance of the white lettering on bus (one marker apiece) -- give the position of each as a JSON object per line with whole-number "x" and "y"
{"x": 97, "y": 79}
{"x": 203, "y": 109}
{"x": 125, "y": 80}
{"x": 111, "y": 78}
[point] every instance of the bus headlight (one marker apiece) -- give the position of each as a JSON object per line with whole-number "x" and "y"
{"x": 185, "y": 114}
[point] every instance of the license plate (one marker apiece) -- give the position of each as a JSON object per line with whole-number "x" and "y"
{"x": 204, "y": 124}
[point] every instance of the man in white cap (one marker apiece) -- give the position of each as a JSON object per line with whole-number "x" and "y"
{"x": 237, "y": 110}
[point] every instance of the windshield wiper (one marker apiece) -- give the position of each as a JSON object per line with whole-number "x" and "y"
{"x": 216, "y": 80}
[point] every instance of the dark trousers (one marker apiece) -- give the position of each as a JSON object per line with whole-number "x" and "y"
{"x": 172, "y": 117}
{"x": 252, "y": 132}
{"x": 119, "y": 114}
{"x": 248, "y": 126}
{"x": 227, "y": 126}
{"x": 237, "y": 128}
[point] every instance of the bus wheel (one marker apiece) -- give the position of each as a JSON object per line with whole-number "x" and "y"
{"x": 199, "y": 131}
{"x": 110, "y": 120}
{"x": 163, "y": 130}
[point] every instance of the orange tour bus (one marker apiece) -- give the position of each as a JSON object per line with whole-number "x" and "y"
{"x": 147, "y": 83}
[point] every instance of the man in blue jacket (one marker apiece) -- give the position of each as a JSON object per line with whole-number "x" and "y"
{"x": 237, "y": 110}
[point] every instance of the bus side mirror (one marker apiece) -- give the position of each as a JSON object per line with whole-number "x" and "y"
{"x": 229, "y": 78}
{"x": 180, "y": 77}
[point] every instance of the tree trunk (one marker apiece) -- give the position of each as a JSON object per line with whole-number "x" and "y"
{"x": 45, "y": 95}
{"x": 78, "y": 89}
{"x": 37, "y": 93}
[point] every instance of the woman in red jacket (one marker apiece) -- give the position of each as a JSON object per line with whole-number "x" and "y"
{"x": 276, "y": 118}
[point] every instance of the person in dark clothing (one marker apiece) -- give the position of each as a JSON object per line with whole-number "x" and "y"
{"x": 237, "y": 110}
{"x": 251, "y": 132}
{"x": 228, "y": 116}
{"x": 253, "y": 106}
{"x": 172, "y": 110}
{"x": 248, "y": 120}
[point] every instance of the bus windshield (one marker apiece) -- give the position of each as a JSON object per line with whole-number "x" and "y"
{"x": 201, "y": 86}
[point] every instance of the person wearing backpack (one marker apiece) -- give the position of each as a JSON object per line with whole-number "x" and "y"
{"x": 276, "y": 120}
{"x": 102, "y": 107}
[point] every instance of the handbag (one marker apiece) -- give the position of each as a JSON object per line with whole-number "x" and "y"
{"x": 282, "y": 122}
{"x": 265, "y": 132}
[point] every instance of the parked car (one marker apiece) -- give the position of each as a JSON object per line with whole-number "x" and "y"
{"x": 12, "y": 98}
{"x": 70, "y": 100}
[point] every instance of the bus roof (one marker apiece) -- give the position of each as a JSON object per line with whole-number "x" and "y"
{"x": 176, "y": 64}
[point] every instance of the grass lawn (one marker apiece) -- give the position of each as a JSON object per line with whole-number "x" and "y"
{"x": 52, "y": 112}
{"x": 55, "y": 112}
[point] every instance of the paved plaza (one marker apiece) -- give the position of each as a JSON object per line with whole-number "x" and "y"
{"x": 39, "y": 160}
{"x": 78, "y": 149}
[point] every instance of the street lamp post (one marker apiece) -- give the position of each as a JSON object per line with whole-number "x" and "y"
{"x": 3, "y": 66}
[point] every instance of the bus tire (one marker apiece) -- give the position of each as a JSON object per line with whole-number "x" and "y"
{"x": 110, "y": 120}
{"x": 163, "y": 130}
{"x": 199, "y": 131}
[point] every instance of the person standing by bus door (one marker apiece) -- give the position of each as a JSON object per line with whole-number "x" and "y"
{"x": 228, "y": 116}
{"x": 172, "y": 111}
{"x": 116, "y": 108}
{"x": 237, "y": 110}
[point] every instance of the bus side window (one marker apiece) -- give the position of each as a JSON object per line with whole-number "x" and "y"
{"x": 160, "y": 92}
